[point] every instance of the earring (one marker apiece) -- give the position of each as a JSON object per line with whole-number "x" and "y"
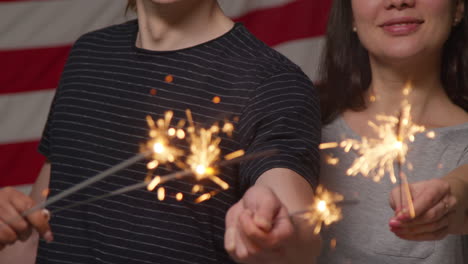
{"x": 354, "y": 29}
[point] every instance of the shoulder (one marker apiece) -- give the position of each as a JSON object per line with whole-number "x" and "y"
{"x": 123, "y": 32}
{"x": 242, "y": 45}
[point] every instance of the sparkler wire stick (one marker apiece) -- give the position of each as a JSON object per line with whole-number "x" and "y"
{"x": 98, "y": 177}
{"x": 166, "y": 178}
{"x": 404, "y": 186}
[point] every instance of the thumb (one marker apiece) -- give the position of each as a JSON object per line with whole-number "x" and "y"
{"x": 265, "y": 206}
{"x": 40, "y": 221}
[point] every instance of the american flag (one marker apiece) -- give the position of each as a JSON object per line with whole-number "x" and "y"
{"x": 36, "y": 36}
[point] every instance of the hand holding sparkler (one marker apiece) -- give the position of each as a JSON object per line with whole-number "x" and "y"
{"x": 258, "y": 227}
{"x": 12, "y": 204}
{"x": 433, "y": 205}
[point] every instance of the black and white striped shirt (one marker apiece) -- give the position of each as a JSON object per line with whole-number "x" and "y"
{"x": 97, "y": 120}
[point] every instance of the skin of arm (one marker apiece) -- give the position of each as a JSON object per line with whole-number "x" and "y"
{"x": 458, "y": 182}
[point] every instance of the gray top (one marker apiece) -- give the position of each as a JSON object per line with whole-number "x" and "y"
{"x": 363, "y": 235}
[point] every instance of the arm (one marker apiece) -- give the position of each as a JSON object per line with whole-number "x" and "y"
{"x": 458, "y": 182}
{"x": 259, "y": 229}
{"x": 15, "y": 253}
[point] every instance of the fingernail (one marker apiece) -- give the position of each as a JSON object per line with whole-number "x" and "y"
{"x": 262, "y": 223}
{"x": 230, "y": 242}
{"x": 46, "y": 214}
{"x": 48, "y": 237}
{"x": 394, "y": 223}
{"x": 403, "y": 215}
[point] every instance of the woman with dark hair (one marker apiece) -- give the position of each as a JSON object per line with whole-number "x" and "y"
{"x": 374, "y": 49}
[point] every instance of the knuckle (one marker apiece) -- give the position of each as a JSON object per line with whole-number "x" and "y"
{"x": 243, "y": 255}
{"x": 433, "y": 226}
{"x": 7, "y": 236}
{"x": 21, "y": 226}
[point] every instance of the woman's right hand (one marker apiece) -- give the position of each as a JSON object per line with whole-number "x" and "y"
{"x": 13, "y": 226}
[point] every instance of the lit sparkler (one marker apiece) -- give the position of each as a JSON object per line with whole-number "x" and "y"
{"x": 204, "y": 153}
{"x": 379, "y": 155}
{"x": 324, "y": 209}
{"x": 161, "y": 133}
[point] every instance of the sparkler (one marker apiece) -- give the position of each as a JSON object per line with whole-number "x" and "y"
{"x": 169, "y": 177}
{"x": 158, "y": 148}
{"x": 378, "y": 155}
{"x": 161, "y": 134}
{"x": 204, "y": 153}
{"x": 324, "y": 209}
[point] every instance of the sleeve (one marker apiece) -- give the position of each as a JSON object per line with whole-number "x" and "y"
{"x": 45, "y": 142}
{"x": 464, "y": 157}
{"x": 282, "y": 114}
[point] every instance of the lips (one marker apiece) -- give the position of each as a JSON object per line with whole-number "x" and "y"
{"x": 401, "y": 26}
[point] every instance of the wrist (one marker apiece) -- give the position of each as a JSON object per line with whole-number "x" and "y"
{"x": 458, "y": 220}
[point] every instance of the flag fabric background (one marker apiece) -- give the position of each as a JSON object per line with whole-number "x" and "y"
{"x": 36, "y": 36}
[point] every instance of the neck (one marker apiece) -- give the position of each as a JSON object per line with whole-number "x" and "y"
{"x": 179, "y": 25}
{"x": 390, "y": 80}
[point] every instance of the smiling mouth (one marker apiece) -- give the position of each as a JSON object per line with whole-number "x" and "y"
{"x": 401, "y": 27}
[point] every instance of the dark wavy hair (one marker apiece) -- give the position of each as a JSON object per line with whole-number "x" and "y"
{"x": 345, "y": 73}
{"x": 131, "y": 5}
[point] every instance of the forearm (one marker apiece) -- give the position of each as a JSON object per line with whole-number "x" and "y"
{"x": 296, "y": 195}
{"x": 458, "y": 181}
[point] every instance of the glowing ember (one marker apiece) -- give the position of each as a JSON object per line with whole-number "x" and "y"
{"x": 197, "y": 188}
{"x": 234, "y": 154}
{"x": 322, "y": 206}
{"x": 431, "y": 134}
{"x": 331, "y": 160}
{"x": 154, "y": 183}
{"x": 161, "y": 193}
{"x": 216, "y": 100}
{"x": 158, "y": 148}
{"x": 179, "y": 196}
{"x": 333, "y": 243}
{"x": 169, "y": 78}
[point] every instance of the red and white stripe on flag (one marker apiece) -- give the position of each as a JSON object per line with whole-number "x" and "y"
{"x": 37, "y": 35}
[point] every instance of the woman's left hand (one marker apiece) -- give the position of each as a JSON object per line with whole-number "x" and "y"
{"x": 433, "y": 205}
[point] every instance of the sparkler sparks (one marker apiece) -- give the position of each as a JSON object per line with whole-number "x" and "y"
{"x": 159, "y": 144}
{"x": 204, "y": 153}
{"x": 323, "y": 209}
{"x": 378, "y": 155}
